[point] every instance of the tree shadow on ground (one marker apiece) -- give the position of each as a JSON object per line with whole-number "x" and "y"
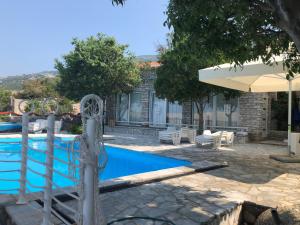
{"x": 181, "y": 205}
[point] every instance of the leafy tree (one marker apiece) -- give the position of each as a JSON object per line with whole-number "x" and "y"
{"x": 64, "y": 106}
{"x": 177, "y": 78}
{"x": 241, "y": 29}
{"x": 97, "y": 65}
{"x": 39, "y": 88}
{"x": 4, "y": 100}
{"x": 268, "y": 16}
{"x": 118, "y": 2}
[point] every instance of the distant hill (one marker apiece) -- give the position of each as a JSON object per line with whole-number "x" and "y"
{"x": 147, "y": 58}
{"x": 15, "y": 82}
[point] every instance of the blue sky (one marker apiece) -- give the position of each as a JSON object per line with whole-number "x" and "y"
{"x": 35, "y": 32}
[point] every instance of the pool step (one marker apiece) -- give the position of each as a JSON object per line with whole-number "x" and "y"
{"x": 29, "y": 214}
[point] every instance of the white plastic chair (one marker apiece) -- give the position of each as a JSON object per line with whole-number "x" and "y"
{"x": 170, "y": 135}
{"x": 57, "y": 126}
{"x": 206, "y": 132}
{"x": 42, "y": 123}
{"x": 227, "y": 138}
{"x": 188, "y": 134}
{"x": 209, "y": 140}
{"x": 34, "y": 127}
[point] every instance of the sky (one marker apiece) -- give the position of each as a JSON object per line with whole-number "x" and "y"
{"x": 33, "y": 33}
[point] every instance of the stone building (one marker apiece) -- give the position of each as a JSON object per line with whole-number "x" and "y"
{"x": 141, "y": 112}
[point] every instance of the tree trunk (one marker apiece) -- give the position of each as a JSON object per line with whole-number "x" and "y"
{"x": 200, "y": 109}
{"x": 229, "y": 115}
{"x": 200, "y": 114}
{"x": 230, "y": 120}
{"x": 288, "y": 17}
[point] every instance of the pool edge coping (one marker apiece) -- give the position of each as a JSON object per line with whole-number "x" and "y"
{"x": 158, "y": 175}
{"x": 124, "y": 182}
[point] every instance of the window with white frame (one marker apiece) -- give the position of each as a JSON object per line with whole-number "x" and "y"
{"x": 163, "y": 112}
{"x": 207, "y": 113}
{"x": 158, "y": 111}
{"x": 129, "y": 108}
{"x": 174, "y": 113}
{"x": 219, "y": 111}
{"x": 227, "y": 112}
{"x": 136, "y": 107}
{"x": 122, "y": 108}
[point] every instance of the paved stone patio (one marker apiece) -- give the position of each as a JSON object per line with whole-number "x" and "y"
{"x": 200, "y": 197}
{"x": 251, "y": 176}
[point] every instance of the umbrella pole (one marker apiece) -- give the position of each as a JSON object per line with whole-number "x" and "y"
{"x": 290, "y": 117}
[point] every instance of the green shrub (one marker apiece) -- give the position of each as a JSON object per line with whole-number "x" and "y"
{"x": 4, "y": 118}
{"x": 76, "y": 129}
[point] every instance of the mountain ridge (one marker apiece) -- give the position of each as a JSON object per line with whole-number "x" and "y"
{"x": 14, "y": 82}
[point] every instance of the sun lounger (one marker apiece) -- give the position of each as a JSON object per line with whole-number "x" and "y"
{"x": 40, "y": 125}
{"x": 211, "y": 141}
{"x": 188, "y": 134}
{"x": 170, "y": 135}
{"x": 227, "y": 138}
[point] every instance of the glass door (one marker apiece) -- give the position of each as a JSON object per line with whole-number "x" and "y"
{"x": 159, "y": 111}
{"x": 122, "y": 108}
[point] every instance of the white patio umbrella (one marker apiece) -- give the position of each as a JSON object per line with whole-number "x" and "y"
{"x": 254, "y": 76}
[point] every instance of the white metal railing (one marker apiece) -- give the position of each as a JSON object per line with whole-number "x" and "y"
{"x": 24, "y": 153}
{"x": 16, "y": 169}
{"x": 5, "y": 174}
{"x": 82, "y": 161}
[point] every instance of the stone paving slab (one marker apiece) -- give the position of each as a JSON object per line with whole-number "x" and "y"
{"x": 142, "y": 178}
{"x": 286, "y": 158}
{"x": 163, "y": 200}
{"x": 29, "y": 214}
{"x": 155, "y": 176}
{"x": 6, "y": 199}
{"x": 250, "y": 176}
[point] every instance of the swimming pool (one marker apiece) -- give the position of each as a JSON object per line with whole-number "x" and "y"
{"x": 121, "y": 162}
{"x": 8, "y": 126}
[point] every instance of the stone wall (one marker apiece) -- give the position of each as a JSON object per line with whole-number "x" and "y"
{"x": 146, "y": 88}
{"x": 277, "y": 135}
{"x": 187, "y": 113}
{"x": 254, "y": 114}
{"x": 15, "y": 105}
{"x": 134, "y": 130}
{"x": 111, "y": 111}
{"x": 255, "y": 110}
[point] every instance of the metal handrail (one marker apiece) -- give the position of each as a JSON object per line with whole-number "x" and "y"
{"x": 34, "y": 186}
{"x": 9, "y": 180}
{"x": 64, "y": 175}
{"x": 58, "y": 188}
{"x": 36, "y": 161}
{"x": 9, "y": 171}
{"x": 64, "y": 205}
{"x": 10, "y": 161}
{"x": 35, "y": 172}
{"x": 7, "y": 190}
{"x": 8, "y": 152}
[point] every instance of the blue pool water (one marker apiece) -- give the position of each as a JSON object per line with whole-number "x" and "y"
{"x": 121, "y": 162}
{"x": 7, "y": 126}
